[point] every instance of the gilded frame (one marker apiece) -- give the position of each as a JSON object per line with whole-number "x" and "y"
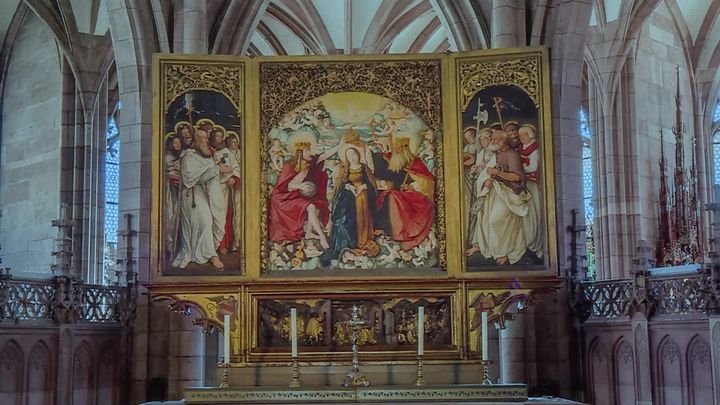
{"x": 227, "y": 76}
{"x": 353, "y": 290}
{"x": 531, "y": 65}
{"x": 442, "y": 220}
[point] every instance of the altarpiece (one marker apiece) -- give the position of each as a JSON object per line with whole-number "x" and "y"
{"x": 385, "y": 182}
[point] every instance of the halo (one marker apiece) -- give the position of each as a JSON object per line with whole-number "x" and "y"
{"x": 304, "y": 136}
{"x": 180, "y": 124}
{"x": 360, "y": 149}
{"x": 170, "y": 135}
{"x": 221, "y": 129}
{"x": 532, "y": 129}
{"x": 529, "y": 125}
{"x": 468, "y": 128}
{"x": 233, "y": 134}
{"x": 204, "y": 121}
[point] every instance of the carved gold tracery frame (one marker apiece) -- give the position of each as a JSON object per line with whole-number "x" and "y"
{"x": 413, "y": 81}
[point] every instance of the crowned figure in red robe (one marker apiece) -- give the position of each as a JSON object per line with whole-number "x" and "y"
{"x": 405, "y": 203}
{"x": 300, "y": 196}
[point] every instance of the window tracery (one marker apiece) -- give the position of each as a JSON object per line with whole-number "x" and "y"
{"x": 587, "y": 184}
{"x": 112, "y": 198}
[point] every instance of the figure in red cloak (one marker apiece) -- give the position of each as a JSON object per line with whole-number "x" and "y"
{"x": 299, "y": 196}
{"x": 405, "y": 205}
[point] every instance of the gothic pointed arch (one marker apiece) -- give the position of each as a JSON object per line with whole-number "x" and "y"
{"x": 39, "y": 375}
{"x": 11, "y": 374}
{"x": 624, "y": 372}
{"x": 699, "y": 365}
{"x": 600, "y": 377}
{"x": 107, "y": 366}
{"x": 669, "y": 366}
{"x": 467, "y": 27}
{"x": 83, "y": 374}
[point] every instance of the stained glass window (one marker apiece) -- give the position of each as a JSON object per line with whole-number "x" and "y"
{"x": 587, "y": 184}
{"x": 716, "y": 158}
{"x": 112, "y": 198}
{"x": 716, "y": 112}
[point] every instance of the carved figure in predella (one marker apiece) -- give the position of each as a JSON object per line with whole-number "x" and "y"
{"x": 322, "y": 322}
{"x": 502, "y": 179}
{"x": 202, "y": 194}
{"x": 351, "y": 180}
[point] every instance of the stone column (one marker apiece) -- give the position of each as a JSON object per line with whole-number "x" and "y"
{"x": 186, "y": 352}
{"x": 65, "y": 364}
{"x": 643, "y": 364}
{"x": 193, "y": 25}
{"x": 714, "y": 325}
{"x": 531, "y": 360}
{"x": 508, "y": 24}
{"x": 512, "y": 351}
{"x": 212, "y": 347}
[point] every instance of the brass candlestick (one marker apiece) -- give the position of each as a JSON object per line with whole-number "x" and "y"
{"x": 225, "y": 383}
{"x": 295, "y": 382}
{"x": 420, "y": 381}
{"x": 486, "y": 372}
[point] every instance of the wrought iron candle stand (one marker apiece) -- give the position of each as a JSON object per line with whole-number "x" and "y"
{"x": 355, "y": 377}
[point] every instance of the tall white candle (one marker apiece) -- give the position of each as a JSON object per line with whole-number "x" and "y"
{"x": 293, "y": 331}
{"x": 65, "y": 212}
{"x": 485, "y": 335}
{"x": 226, "y": 339}
{"x": 421, "y": 330}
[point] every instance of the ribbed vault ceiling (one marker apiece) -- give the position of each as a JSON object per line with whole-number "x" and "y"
{"x": 292, "y": 27}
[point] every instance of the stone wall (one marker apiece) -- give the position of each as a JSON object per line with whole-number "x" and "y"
{"x": 30, "y": 150}
{"x": 659, "y": 49}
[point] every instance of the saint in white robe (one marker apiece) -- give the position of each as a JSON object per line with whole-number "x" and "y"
{"x": 502, "y": 223}
{"x": 202, "y": 209}
{"x": 503, "y": 212}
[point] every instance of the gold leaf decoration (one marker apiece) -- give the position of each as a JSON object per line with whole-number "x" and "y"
{"x": 285, "y": 86}
{"x": 179, "y": 78}
{"x": 477, "y": 75}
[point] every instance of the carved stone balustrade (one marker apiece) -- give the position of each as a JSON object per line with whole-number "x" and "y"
{"x": 663, "y": 291}
{"x": 648, "y": 339}
{"x": 61, "y": 299}
{"x": 607, "y": 299}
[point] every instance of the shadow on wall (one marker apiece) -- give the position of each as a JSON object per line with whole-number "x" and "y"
{"x": 156, "y": 390}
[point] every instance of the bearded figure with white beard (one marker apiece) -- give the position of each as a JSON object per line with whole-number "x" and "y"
{"x": 202, "y": 205}
{"x": 406, "y": 191}
{"x": 502, "y": 236}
